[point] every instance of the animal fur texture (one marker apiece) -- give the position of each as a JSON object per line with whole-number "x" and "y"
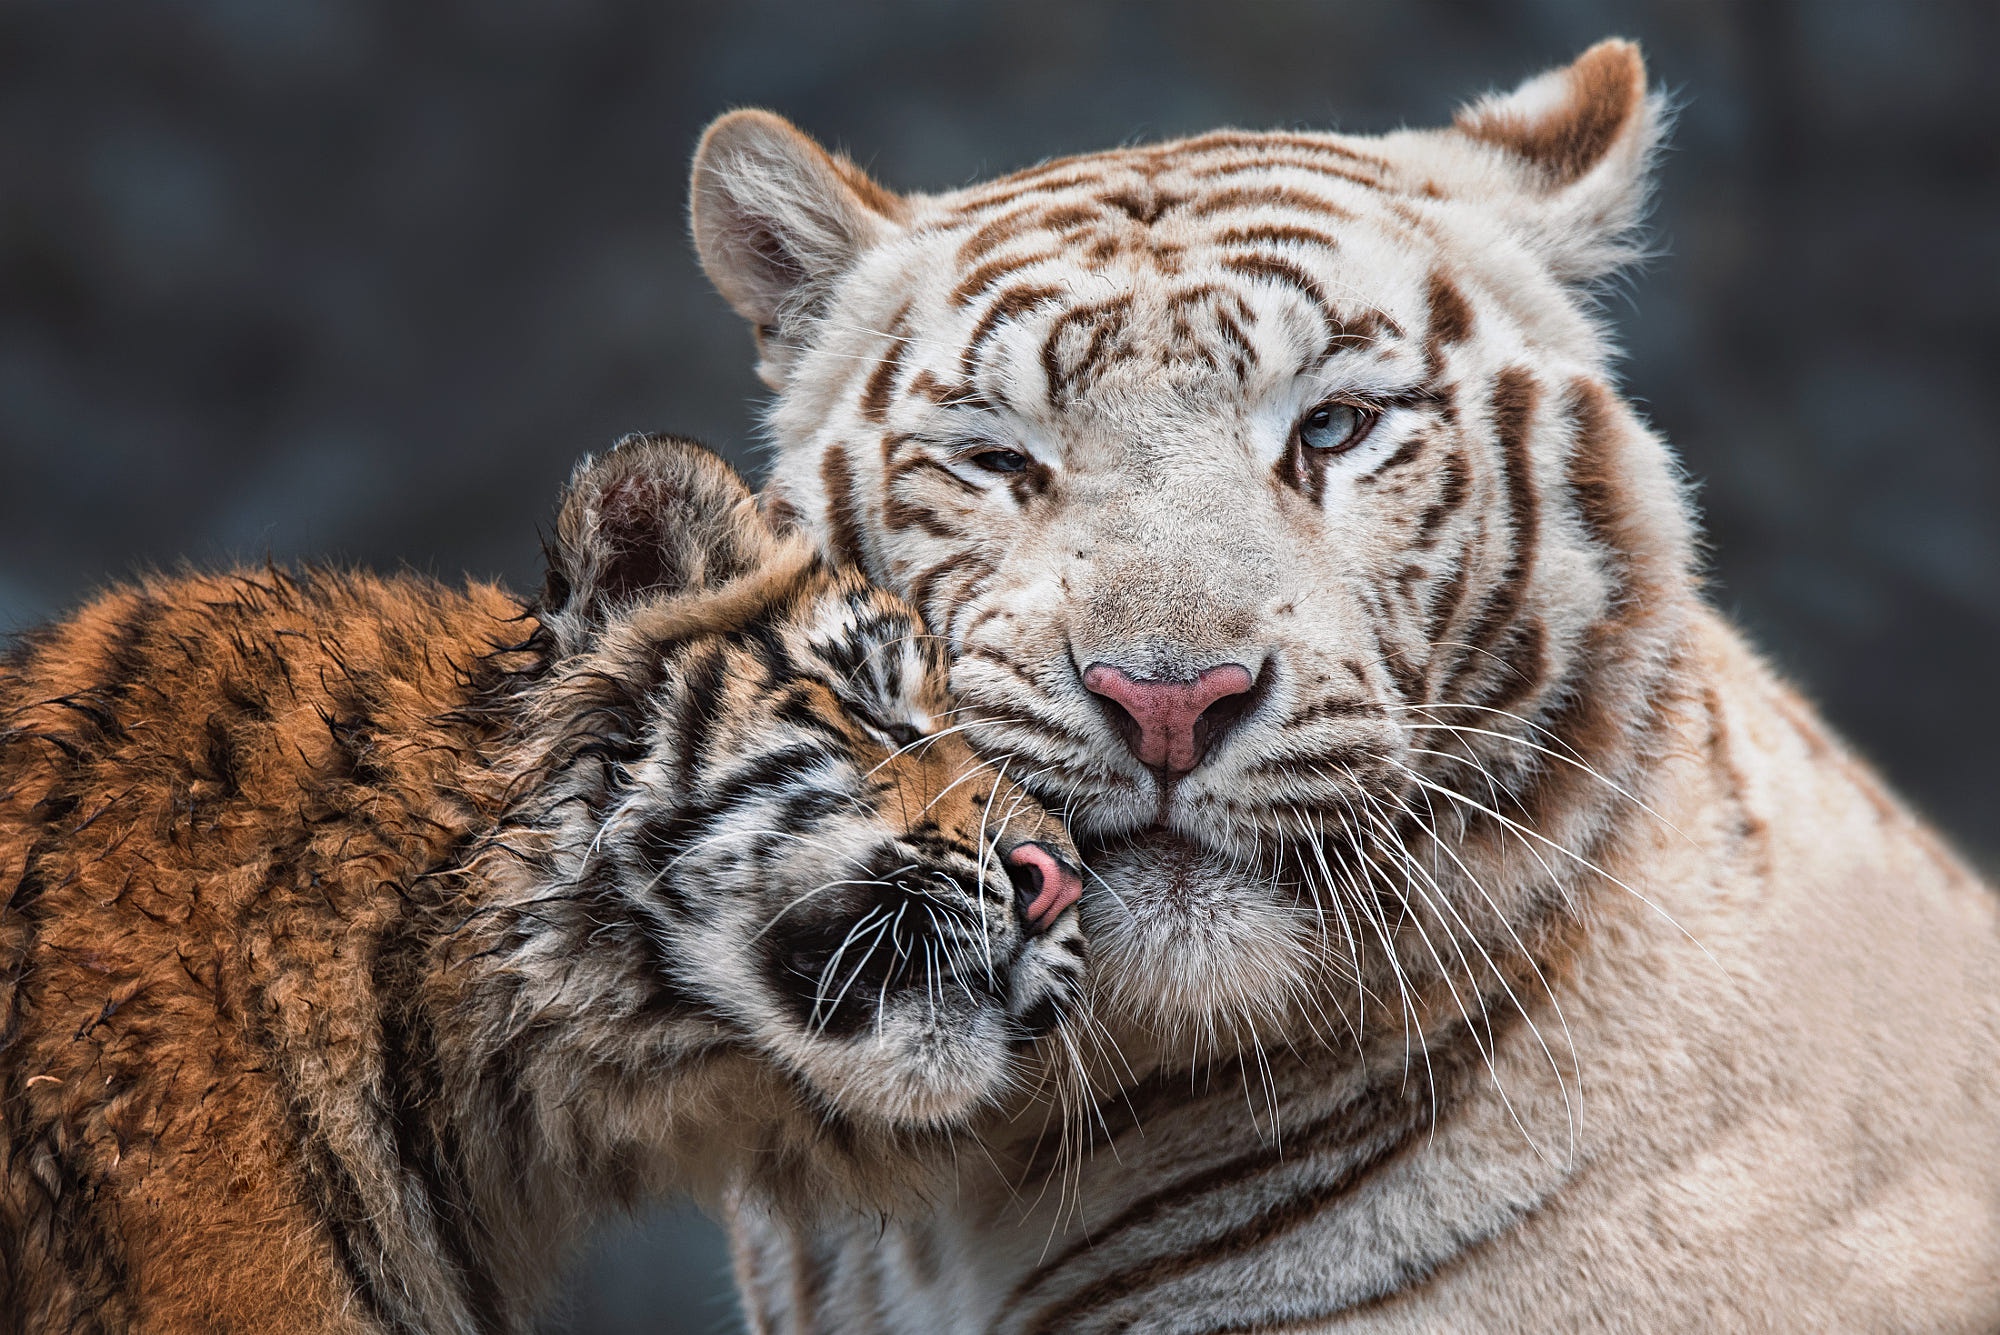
{"x": 1491, "y": 941}
{"x": 363, "y": 940}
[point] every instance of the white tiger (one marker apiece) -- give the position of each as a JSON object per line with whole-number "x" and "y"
{"x": 1484, "y": 938}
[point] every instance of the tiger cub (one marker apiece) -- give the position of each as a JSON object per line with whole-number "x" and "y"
{"x": 363, "y": 940}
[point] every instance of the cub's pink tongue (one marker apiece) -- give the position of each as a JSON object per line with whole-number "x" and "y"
{"x": 1052, "y": 885}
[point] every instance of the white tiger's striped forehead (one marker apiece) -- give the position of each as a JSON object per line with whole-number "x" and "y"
{"x": 1192, "y": 269}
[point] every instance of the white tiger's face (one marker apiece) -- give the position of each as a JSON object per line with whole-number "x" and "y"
{"x": 1224, "y": 465}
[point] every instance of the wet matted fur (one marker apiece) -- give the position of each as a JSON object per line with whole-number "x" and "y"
{"x": 362, "y": 940}
{"x": 1496, "y": 944}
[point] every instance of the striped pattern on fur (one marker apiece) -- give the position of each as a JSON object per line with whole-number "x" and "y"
{"x": 363, "y": 940}
{"x": 1505, "y": 950}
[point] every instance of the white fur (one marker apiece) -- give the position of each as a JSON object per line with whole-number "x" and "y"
{"x": 1701, "y": 1038}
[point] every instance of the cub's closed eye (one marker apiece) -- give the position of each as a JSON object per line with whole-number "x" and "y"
{"x": 902, "y": 734}
{"x": 1336, "y": 426}
{"x": 1000, "y": 461}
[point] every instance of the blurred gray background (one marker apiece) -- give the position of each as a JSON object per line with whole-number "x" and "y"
{"x": 311, "y": 278}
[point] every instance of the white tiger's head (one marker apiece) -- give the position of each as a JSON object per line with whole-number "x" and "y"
{"x": 1269, "y": 487}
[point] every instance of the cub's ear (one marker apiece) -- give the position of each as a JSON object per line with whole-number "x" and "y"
{"x": 777, "y": 220}
{"x": 1581, "y": 139}
{"x": 657, "y": 515}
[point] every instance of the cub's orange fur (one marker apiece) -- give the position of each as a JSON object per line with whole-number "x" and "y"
{"x": 362, "y": 939}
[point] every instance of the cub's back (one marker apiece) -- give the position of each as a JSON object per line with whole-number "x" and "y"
{"x": 205, "y": 783}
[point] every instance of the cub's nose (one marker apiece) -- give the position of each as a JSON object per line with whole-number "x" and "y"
{"x": 1171, "y": 724}
{"x": 1044, "y": 884}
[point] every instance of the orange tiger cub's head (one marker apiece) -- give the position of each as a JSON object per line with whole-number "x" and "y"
{"x": 746, "y": 767}
{"x": 1269, "y": 488}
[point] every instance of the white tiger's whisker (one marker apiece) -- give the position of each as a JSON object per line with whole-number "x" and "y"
{"x": 1389, "y": 845}
{"x": 1578, "y": 858}
{"x": 1553, "y": 755}
{"x": 1572, "y": 1114}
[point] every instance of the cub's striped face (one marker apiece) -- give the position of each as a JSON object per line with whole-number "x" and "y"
{"x": 1224, "y": 465}
{"x": 824, "y": 868}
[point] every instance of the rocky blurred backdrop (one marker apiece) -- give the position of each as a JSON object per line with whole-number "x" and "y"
{"x": 312, "y": 279}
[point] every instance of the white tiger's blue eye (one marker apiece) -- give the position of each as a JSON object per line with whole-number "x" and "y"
{"x": 1334, "y": 427}
{"x": 1001, "y": 461}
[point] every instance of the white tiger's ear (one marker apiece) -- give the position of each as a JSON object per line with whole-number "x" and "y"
{"x": 657, "y": 515}
{"x": 1581, "y": 140}
{"x": 777, "y": 220}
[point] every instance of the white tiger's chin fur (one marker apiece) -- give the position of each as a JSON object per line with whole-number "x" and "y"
{"x": 1215, "y": 924}
{"x": 1193, "y": 946}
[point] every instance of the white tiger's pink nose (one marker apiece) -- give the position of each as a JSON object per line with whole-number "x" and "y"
{"x": 1170, "y": 724}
